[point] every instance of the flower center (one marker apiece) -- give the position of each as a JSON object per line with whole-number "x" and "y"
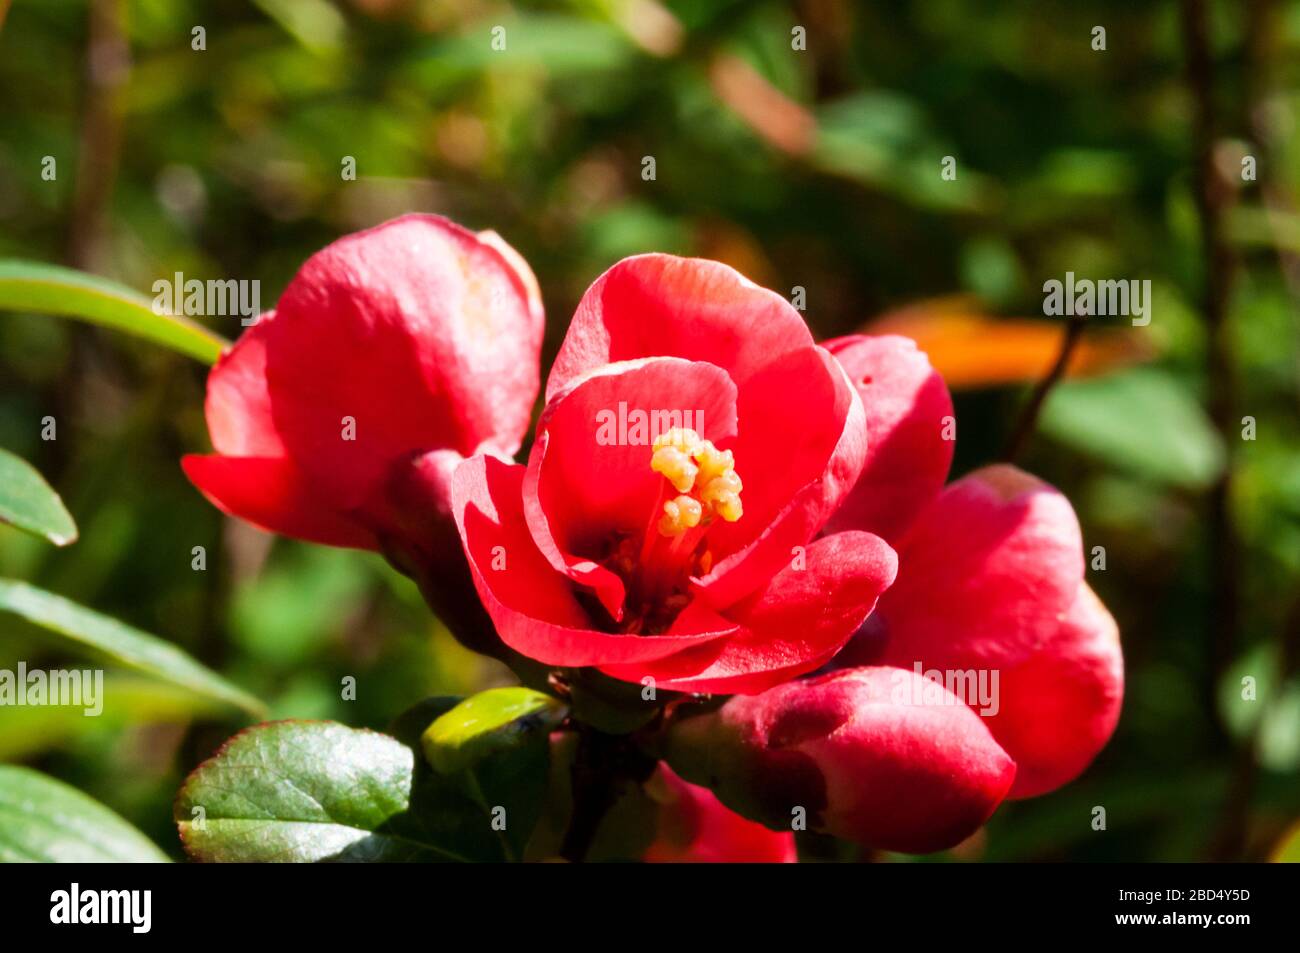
{"x": 704, "y": 477}
{"x": 701, "y": 486}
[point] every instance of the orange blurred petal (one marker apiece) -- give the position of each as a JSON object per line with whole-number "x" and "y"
{"x": 973, "y": 350}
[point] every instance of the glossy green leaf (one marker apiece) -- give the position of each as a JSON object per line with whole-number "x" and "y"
{"x": 493, "y": 721}
{"x": 1142, "y": 421}
{"x": 121, "y": 643}
{"x": 320, "y": 791}
{"x": 51, "y": 289}
{"x": 28, "y": 503}
{"x": 494, "y": 747}
{"x": 46, "y": 821}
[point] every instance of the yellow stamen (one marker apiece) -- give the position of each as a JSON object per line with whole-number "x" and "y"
{"x": 672, "y": 459}
{"x": 713, "y": 462}
{"x": 723, "y": 494}
{"x": 696, "y": 467}
{"x": 680, "y": 515}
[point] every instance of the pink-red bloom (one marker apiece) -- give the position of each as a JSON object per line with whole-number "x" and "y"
{"x": 694, "y": 443}
{"x": 394, "y": 353}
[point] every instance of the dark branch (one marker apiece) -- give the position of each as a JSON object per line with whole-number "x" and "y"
{"x": 1029, "y": 417}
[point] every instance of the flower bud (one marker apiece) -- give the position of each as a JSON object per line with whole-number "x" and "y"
{"x": 880, "y": 756}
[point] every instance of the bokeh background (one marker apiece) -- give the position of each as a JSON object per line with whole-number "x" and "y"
{"x": 816, "y": 168}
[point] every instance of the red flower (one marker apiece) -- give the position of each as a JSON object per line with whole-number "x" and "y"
{"x": 339, "y": 416}
{"x": 991, "y": 579}
{"x": 694, "y": 828}
{"x": 880, "y": 756}
{"x": 694, "y": 442}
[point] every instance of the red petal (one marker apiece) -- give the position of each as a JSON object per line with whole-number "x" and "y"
{"x": 532, "y": 605}
{"x": 906, "y": 403}
{"x": 419, "y": 331}
{"x": 800, "y": 449}
{"x": 272, "y": 493}
{"x": 238, "y": 407}
{"x": 694, "y": 828}
{"x": 582, "y": 490}
{"x": 522, "y": 272}
{"x": 659, "y": 305}
{"x": 1059, "y": 708}
{"x": 796, "y": 624}
{"x": 987, "y": 571}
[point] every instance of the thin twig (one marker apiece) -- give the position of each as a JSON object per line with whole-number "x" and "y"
{"x": 604, "y": 767}
{"x": 1029, "y": 416}
{"x": 1231, "y": 840}
{"x": 1261, "y": 54}
{"x": 108, "y": 63}
{"x": 1213, "y": 197}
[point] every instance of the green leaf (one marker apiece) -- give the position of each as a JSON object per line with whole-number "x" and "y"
{"x": 494, "y": 747}
{"x": 30, "y": 504}
{"x": 562, "y": 45}
{"x": 886, "y": 141}
{"x": 491, "y": 722}
{"x": 51, "y": 289}
{"x": 1142, "y": 421}
{"x": 320, "y": 791}
{"x": 1268, "y": 706}
{"x": 119, "y": 642}
{"x": 46, "y": 821}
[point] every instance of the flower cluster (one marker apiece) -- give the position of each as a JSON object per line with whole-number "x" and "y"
{"x": 785, "y": 513}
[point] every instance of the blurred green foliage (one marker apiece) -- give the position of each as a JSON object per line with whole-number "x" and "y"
{"x": 816, "y": 168}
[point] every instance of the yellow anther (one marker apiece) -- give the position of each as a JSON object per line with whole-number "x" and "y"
{"x": 729, "y": 509}
{"x": 712, "y": 461}
{"x": 722, "y": 495}
{"x": 676, "y": 466}
{"x": 696, "y": 467}
{"x": 680, "y": 515}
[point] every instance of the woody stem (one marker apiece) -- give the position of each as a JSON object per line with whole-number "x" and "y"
{"x": 604, "y": 766}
